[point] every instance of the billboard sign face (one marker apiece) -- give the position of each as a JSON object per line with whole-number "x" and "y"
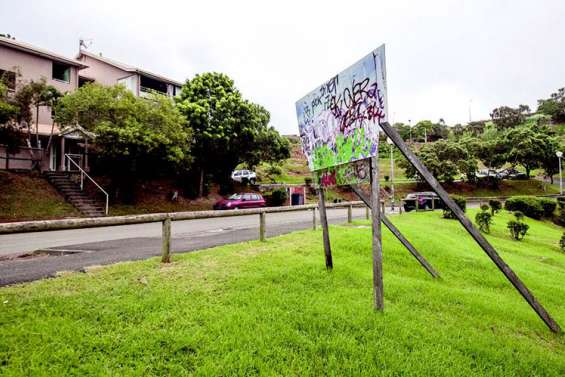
{"x": 354, "y": 173}
{"x": 339, "y": 121}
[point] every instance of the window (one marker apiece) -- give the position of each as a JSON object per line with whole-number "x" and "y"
{"x": 247, "y": 197}
{"x": 256, "y": 197}
{"x": 148, "y": 84}
{"x": 61, "y": 72}
{"x": 8, "y": 78}
{"x": 82, "y": 81}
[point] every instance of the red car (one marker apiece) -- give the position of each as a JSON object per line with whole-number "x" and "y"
{"x": 241, "y": 201}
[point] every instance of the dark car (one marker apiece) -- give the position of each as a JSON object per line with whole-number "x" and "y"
{"x": 422, "y": 200}
{"x": 241, "y": 201}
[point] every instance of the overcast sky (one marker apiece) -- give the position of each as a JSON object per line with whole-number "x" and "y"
{"x": 443, "y": 57}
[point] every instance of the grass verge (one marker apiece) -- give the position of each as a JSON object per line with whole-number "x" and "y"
{"x": 272, "y": 309}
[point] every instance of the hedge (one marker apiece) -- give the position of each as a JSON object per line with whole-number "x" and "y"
{"x": 528, "y": 205}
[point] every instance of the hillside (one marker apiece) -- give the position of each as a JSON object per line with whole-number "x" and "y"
{"x": 272, "y": 309}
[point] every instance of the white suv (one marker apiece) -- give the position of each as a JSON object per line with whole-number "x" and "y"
{"x": 244, "y": 176}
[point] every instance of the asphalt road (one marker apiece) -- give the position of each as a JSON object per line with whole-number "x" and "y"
{"x": 74, "y": 250}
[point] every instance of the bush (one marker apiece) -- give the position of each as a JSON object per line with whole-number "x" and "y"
{"x": 308, "y": 181}
{"x": 484, "y": 207}
{"x": 530, "y": 206}
{"x": 548, "y": 206}
{"x": 461, "y": 203}
{"x": 562, "y": 242}
{"x": 517, "y": 228}
{"x": 495, "y": 206}
{"x": 484, "y": 220}
{"x": 561, "y": 202}
{"x": 278, "y": 197}
{"x": 387, "y": 178}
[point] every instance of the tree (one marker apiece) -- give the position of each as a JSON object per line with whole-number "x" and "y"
{"x": 492, "y": 148}
{"x": 505, "y": 117}
{"x": 423, "y": 128}
{"x": 529, "y": 146}
{"x": 445, "y": 160}
{"x": 134, "y": 137}
{"x": 554, "y": 106}
{"x": 228, "y": 130}
{"x": 10, "y": 134}
{"x": 403, "y": 129}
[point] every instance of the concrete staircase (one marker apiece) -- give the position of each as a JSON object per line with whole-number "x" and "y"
{"x": 86, "y": 204}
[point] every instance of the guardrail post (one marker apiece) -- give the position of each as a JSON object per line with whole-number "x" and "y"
{"x": 350, "y": 214}
{"x": 313, "y": 218}
{"x": 262, "y": 216}
{"x": 166, "y": 257}
{"x": 366, "y": 213}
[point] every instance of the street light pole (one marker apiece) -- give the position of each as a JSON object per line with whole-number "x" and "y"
{"x": 559, "y": 154}
{"x": 389, "y": 141}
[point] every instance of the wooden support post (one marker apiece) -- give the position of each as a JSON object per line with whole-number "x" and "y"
{"x": 394, "y": 230}
{"x": 350, "y": 214}
{"x": 377, "y": 239}
{"x": 367, "y": 212}
{"x": 325, "y": 229}
{"x": 262, "y": 217}
{"x": 417, "y": 203}
{"x": 468, "y": 225}
{"x": 433, "y": 203}
{"x": 166, "y": 257}
{"x": 313, "y": 218}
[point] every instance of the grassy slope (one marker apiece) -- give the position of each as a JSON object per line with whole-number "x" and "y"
{"x": 271, "y": 308}
{"x": 24, "y": 197}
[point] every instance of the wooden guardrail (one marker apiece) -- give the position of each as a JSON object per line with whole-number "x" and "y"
{"x": 166, "y": 219}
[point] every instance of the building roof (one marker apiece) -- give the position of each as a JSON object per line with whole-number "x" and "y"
{"x": 25, "y": 47}
{"x": 127, "y": 67}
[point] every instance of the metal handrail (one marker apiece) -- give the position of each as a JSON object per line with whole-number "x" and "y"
{"x": 84, "y": 174}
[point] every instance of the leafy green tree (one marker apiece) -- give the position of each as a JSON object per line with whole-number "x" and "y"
{"x": 403, "y": 129}
{"x": 531, "y": 146}
{"x": 492, "y": 148}
{"x": 445, "y": 160}
{"x": 10, "y": 134}
{"x": 134, "y": 137}
{"x": 228, "y": 130}
{"x": 505, "y": 117}
{"x": 554, "y": 106}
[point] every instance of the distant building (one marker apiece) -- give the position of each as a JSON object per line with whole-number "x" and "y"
{"x": 110, "y": 72}
{"x": 21, "y": 63}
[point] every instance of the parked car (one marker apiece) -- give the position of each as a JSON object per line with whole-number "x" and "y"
{"x": 486, "y": 173}
{"x": 244, "y": 176}
{"x": 425, "y": 200}
{"x": 241, "y": 201}
{"x": 511, "y": 173}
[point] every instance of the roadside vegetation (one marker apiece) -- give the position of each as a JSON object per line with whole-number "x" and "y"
{"x": 272, "y": 308}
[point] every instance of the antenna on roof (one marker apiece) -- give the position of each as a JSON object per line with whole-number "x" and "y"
{"x": 84, "y": 43}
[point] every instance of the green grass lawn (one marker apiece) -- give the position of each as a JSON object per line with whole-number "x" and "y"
{"x": 272, "y": 309}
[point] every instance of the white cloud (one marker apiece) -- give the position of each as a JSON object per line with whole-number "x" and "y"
{"x": 440, "y": 54}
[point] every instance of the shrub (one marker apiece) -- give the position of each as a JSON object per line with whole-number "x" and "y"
{"x": 495, "y": 206}
{"x": 278, "y": 197}
{"x": 548, "y": 206}
{"x": 484, "y": 220}
{"x": 530, "y": 206}
{"x": 461, "y": 203}
{"x": 561, "y": 202}
{"x": 485, "y": 207}
{"x": 308, "y": 181}
{"x": 562, "y": 242}
{"x": 387, "y": 178}
{"x": 517, "y": 228}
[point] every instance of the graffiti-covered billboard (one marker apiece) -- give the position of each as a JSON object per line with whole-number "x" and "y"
{"x": 354, "y": 173}
{"x": 339, "y": 121}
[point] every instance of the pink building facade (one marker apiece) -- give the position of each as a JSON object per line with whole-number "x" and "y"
{"x": 21, "y": 63}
